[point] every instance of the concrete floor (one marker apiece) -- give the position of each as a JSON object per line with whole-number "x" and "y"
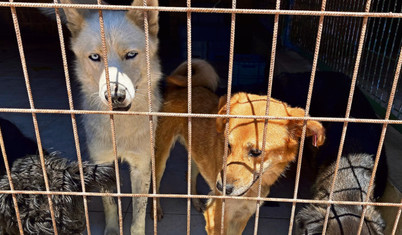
{"x": 49, "y": 91}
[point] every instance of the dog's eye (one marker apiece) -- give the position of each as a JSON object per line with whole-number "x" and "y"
{"x": 255, "y": 152}
{"x": 229, "y": 148}
{"x": 131, "y": 55}
{"x": 94, "y": 57}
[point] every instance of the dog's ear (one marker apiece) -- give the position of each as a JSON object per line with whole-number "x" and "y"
{"x": 74, "y": 18}
{"x": 153, "y": 16}
{"x": 314, "y": 128}
{"x": 220, "y": 122}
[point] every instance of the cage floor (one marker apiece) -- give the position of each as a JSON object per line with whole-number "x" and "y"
{"x": 49, "y": 91}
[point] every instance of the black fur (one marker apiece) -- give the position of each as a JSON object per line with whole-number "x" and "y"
{"x": 329, "y": 99}
{"x": 64, "y": 176}
{"x": 16, "y": 144}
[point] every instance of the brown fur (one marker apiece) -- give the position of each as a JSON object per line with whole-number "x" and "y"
{"x": 244, "y": 135}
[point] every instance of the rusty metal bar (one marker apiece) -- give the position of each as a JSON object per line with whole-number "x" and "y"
{"x": 229, "y": 94}
{"x": 73, "y": 118}
{"x": 308, "y": 103}
{"x": 10, "y": 180}
{"x": 189, "y": 110}
{"x": 199, "y": 115}
{"x": 206, "y": 10}
{"x": 151, "y": 121}
{"x": 188, "y": 9}
{"x": 112, "y": 123}
{"x": 268, "y": 199}
{"x": 269, "y": 91}
{"x": 397, "y": 218}
{"x": 34, "y": 118}
{"x": 382, "y": 138}
{"x": 349, "y": 105}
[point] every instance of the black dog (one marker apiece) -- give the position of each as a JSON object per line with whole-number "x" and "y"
{"x": 16, "y": 144}
{"x": 63, "y": 176}
{"x": 329, "y": 99}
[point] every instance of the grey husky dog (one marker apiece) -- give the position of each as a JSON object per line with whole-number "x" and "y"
{"x": 352, "y": 180}
{"x": 126, "y": 55}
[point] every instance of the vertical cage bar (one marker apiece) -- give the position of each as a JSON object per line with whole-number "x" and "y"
{"x": 308, "y": 103}
{"x": 269, "y": 91}
{"x": 34, "y": 118}
{"x": 112, "y": 123}
{"x": 229, "y": 94}
{"x": 73, "y": 117}
{"x": 349, "y": 105}
{"x": 384, "y": 130}
{"x": 337, "y": 58}
{"x": 397, "y": 218}
{"x": 366, "y": 69}
{"x": 326, "y": 47}
{"x": 189, "y": 110}
{"x": 151, "y": 121}
{"x": 10, "y": 180}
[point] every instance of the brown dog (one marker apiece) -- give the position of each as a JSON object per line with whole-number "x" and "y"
{"x": 245, "y": 143}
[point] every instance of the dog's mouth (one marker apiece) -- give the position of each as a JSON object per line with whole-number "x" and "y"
{"x": 256, "y": 177}
{"x": 241, "y": 190}
{"x": 122, "y": 108}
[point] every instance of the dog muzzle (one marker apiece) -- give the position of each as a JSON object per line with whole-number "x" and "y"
{"x": 122, "y": 90}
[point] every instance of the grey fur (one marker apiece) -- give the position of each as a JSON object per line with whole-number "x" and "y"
{"x": 344, "y": 218}
{"x": 64, "y": 176}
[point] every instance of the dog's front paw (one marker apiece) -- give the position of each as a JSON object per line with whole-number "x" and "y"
{"x": 159, "y": 213}
{"x": 198, "y": 204}
{"x": 111, "y": 231}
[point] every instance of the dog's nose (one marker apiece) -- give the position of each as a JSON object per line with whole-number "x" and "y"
{"x": 118, "y": 96}
{"x": 229, "y": 188}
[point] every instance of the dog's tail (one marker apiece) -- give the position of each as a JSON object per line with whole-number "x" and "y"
{"x": 203, "y": 74}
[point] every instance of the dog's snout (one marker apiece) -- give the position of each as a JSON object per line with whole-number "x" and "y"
{"x": 229, "y": 188}
{"x": 118, "y": 96}
{"x": 122, "y": 90}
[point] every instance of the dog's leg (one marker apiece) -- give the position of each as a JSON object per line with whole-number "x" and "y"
{"x": 140, "y": 174}
{"x": 212, "y": 215}
{"x": 197, "y": 203}
{"x": 165, "y": 138}
{"x": 237, "y": 214}
{"x": 161, "y": 156}
{"x": 109, "y": 204}
{"x": 110, "y": 207}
